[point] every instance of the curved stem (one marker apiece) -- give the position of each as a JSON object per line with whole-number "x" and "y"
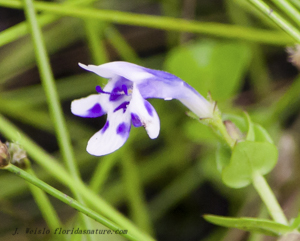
{"x": 268, "y": 197}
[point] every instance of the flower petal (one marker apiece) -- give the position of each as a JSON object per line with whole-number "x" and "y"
{"x": 167, "y": 86}
{"x": 112, "y": 136}
{"x": 143, "y": 113}
{"x": 127, "y": 70}
{"x": 88, "y": 107}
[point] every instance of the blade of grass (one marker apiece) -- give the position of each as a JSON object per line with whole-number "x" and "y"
{"x": 289, "y": 9}
{"x": 44, "y": 204}
{"x": 280, "y": 21}
{"x": 166, "y": 23}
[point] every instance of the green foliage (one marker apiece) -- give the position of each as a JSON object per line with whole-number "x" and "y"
{"x": 247, "y": 158}
{"x": 216, "y": 66}
{"x": 250, "y": 224}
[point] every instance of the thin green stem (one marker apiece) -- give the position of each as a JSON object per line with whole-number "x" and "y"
{"x": 166, "y": 23}
{"x": 44, "y": 204}
{"x": 56, "y": 112}
{"x": 66, "y": 199}
{"x": 280, "y": 21}
{"x": 289, "y": 9}
{"x": 218, "y": 125}
{"x": 268, "y": 197}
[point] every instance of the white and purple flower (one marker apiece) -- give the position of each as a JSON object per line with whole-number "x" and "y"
{"x": 123, "y": 99}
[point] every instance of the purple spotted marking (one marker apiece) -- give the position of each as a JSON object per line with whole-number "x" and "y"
{"x": 122, "y": 130}
{"x": 148, "y": 108}
{"x": 105, "y": 127}
{"x": 122, "y": 106}
{"x": 95, "y": 111}
{"x": 120, "y": 87}
{"x": 136, "y": 122}
{"x": 124, "y": 88}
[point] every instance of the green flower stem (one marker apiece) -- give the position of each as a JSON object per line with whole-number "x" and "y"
{"x": 44, "y": 204}
{"x": 268, "y": 197}
{"x": 289, "y": 9}
{"x": 59, "y": 173}
{"x": 259, "y": 182}
{"x": 166, "y": 23}
{"x": 280, "y": 21}
{"x": 56, "y": 113}
{"x": 218, "y": 126}
{"x": 66, "y": 199}
{"x": 134, "y": 189}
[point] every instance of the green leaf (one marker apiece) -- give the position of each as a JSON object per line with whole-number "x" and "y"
{"x": 222, "y": 156}
{"x": 296, "y": 222}
{"x": 207, "y": 65}
{"x": 250, "y": 131}
{"x": 263, "y": 226}
{"x": 261, "y": 135}
{"x": 249, "y": 157}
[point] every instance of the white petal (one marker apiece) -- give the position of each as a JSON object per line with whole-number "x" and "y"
{"x": 112, "y": 136}
{"x": 90, "y": 106}
{"x": 127, "y": 70}
{"x": 141, "y": 109}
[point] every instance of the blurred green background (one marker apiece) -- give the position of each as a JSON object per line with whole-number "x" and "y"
{"x": 244, "y": 68}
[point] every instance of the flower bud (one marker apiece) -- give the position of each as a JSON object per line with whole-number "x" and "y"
{"x": 232, "y": 130}
{"x": 18, "y": 155}
{"x": 4, "y": 155}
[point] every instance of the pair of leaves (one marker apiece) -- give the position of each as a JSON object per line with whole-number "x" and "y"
{"x": 257, "y": 154}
